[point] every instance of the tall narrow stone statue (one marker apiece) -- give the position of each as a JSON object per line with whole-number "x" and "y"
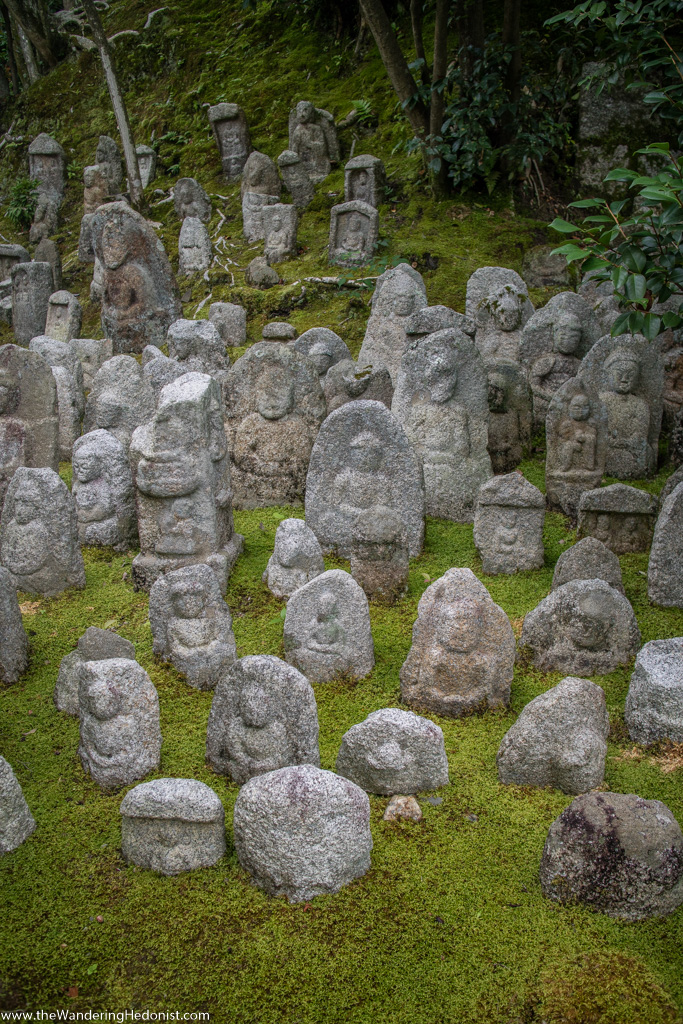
{"x": 280, "y": 223}
{"x": 362, "y": 460}
{"x": 260, "y": 188}
{"x": 296, "y": 179}
{"x": 274, "y": 409}
{"x": 313, "y": 137}
{"x": 103, "y": 491}
{"x": 628, "y": 374}
{"x": 14, "y": 646}
{"x": 498, "y": 301}
{"x": 231, "y": 132}
{"x": 147, "y": 164}
{"x": 399, "y": 292}
{"x": 39, "y": 535}
{"x": 68, "y": 375}
{"x": 510, "y": 415}
{"x": 194, "y": 248}
{"x": 120, "y": 399}
{"x": 441, "y": 401}
{"x": 140, "y": 296}
{"x": 364, "y": 179}
{"x": 576, "y": 440}
{"x": 354, "y": 231}
{"x": 31, "y": 291}
{"x": 47, "y": 166}
{"x": 29, "y": 420}
{"x": 182, "y": 474}
{"x": 665, "y": 569}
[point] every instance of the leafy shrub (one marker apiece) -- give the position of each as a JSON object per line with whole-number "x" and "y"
{"x": 23, "y": 199}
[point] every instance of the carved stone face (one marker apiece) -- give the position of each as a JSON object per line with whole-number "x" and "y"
{"x": 567, "y": 334}
{"x": 507, "y": 531}
{"x": 275, "y": 397}
{"x": 441, "y": 373}
{"x": 28, "y": 504}
{"x": 305, "y": 112}
{"x": 86, "y": 465}
{"x": 580, "y": 408}
{"x": 588, "y": 627}
{"x": 189, "y": 602}
{"x": 254, "y": 708}
{"x": 276, "y": 224}
{"x": 497, "y": 394}
{"x": 366, "y": 452}
{"x": 459, "y": 625}
{"x": 623, "y": 372}
{"x": 506, "y": 309}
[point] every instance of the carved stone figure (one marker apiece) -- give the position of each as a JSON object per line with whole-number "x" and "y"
{"x": 354, "y": 231}
{"x": 38, "y": 534}
{"x": 394, "y": 751}
{"x": 463, "y": 649}
{"x": 253, "y": 205}
{"x": 172, "y": 825}
{"x": 364, "y": 179}
{"x": 576, "y": 442}
{"x": 510, "y": 417}
{"x": 120, "y": 399}
{"x": 379, "y": 554}
{"x": 665, "y": 568}
{"x": 92, "y": 353}
{"x": 327, "y": 629}
{"x": 198, "y": 347}
{"x": 230, "y": 320}
{"x": 140, "y": 296}
{"x": 274, "y": 408}
{"x": 399, "y": 292}
{"x": 45, "y": 218}
{"x": 589, "y": 559}
{"x": 231, "y": 132}
{"x": 107, "y": 157}
{"x": 64, "y": 314}
{"x": 194, "y": 248}
{"x": 182, "y": 475}
{"x": 16, "y": 821}
{"x": 31, "y": 291}
{"x": 103, "y": 491}
{"x": 11, "y": 254}
{"x": 323, "y": 347}
{"x": 29, "y": 420}
{"x": 628, "y": 374}
{"x": 441, "y": 403}
{"x": 68, "y": 375}
{"x": 47, "y": 166}
{"x": 263, "y": 717}
{"x": 498, "y": 301}
{"x": 622, "y": 517}
{"x": 280, "y": 223}
{"x": 190, "y": 200}
{"x": 431, "y": 319}
{"x": 158, "y": 370}
{"x": 554, "y": 341}
{"x": 191, "y": 625}
{"x": 585, "y": 627}
{"x": 347, "y": 381}
{"x": 296, "y": 178}
{"x": 147, "y": 164}
{"x": 296, "y": 558}
{"x": 47, "y": 251}
{"x": 313, "y": 137}
{"x": 260, "y": 176}
{"x": 14, "y": 646}
{"x": 119, "y": 718}
{"x": 508, "y": 525}
{"x": 95, "y": 645}
{"x": 362, "y": 460}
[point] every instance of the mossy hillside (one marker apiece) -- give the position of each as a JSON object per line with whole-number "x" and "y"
{"x": 449, "y": 924}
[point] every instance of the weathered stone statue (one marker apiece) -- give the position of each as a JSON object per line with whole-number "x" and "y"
{"x": 68, "y": 375}
{"x": 147, "y": 164}
{"x": 463, "y": 649}
{"x": 103, "y": 491}
{"x": 120, "y": 399}
{"x": 261, "y": 187}
{"x": 576, "y": 440}
{"x": 510, "y": 416}
{"x": 47, "y": 251}
{"x": 92, "y": 353}
{"x": 554, "y": 341}
{"x": 263, "y": 717}
{"x": 362, "y": 460}
{"x": 654, "y": 703}
{"x": 31, "y": 291}
{"x": 441, "y": 401}
{"x": 38, "y": 534}
{"x": 323, "y": 347}
{"x": 197, "y": 346}
{"x": 380, "y": 554}
{"x": 628, "y": 374}
{"x": 622, "y": 517}
{"x": 16, "y": 821}
{"x": 498, "y": 301}
{"x": 296, "y": 558}
{"x": 347, "y": 381}
{"x": 313, "y": 137}
{"x": 14, "y": 646}
{"x": 119, "y": 717}
{"x": 191, "y": 625}
{"x": 29, "y": 422}
{"x": 10, "y": 254}
{"x": 588, "y": 559}
{"x": 47, "y": 166}
{"x": 585, "y": 628}
{"x": 107, "y": 157}
{"x": 140, "y": 296}
{"x": 399, "y": 292}
{"x": 296, "y": 179}
{"x": 327, "y": 629}
{"x": 182, "y": 474}
{"x": 274, "y": 408}
{"x": 95, "y": 645}
{"x": 508, "y": 525}
{"x": 364, "y": 179}
{"x": 194, "y": 248}
{"x": 64, "y": 315}
{"x": 665, "y": 568}
{"x": 190, "y": 200}
{"x": 230, "y": 320}
{"x": 280, "y": 223}
{"x": 354, "y": 231}
{"x": 231, "y": 132}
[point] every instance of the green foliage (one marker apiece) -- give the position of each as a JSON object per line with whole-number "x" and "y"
{"x": 23, "y": 199}
{"x": 365, "y": 113}
{"x": 641, "y": 253}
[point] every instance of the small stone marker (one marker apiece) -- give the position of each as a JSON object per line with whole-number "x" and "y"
{"x": 103, "y": 492}
{"x": 622, "y": 517}
{"x": 654, "y": 703}
{"x": 347, "y": 381}
{"x": 14, "y": 646}
{"x": 296, "y": 558}
{"x": 364, "y": 179}
{"x": 296, "y": 179}
{"x": 354, "y": 232}
{"x": 301, "y": 832}
{"x": 120, "y": 399}
{"x": 263, "y": 717}
{"x": 32, "y": 286}
{"x": 498, "y": 301}
{"x": 147, "y": 164}
{"x": 172, "y": 825}
{"x": 323, "y": 347}
{"x": 399, "y": 292}
{"x": 16, "y": 821}
{"x": 230, "y": 320}
{"x": 190, "y": 200}
{"x": 665, "y": 568}
{"x": 95, "y": 645}
{"x": 508, "y": 525}
{"x": 92, "y": 354}
{"x": 29, "y": 420}
{"x": 231, "y": 132}
{"x": 194, "y": 248}
{"x": 510, "y": 417}
{"x": 588, "y": 559}
{"x": 280, "y": 223}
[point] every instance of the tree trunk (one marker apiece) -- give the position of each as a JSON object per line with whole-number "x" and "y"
{"x": 471, "y": 32}
{"x": 37, "y": 24}
{"x": 416, "y": 25}
{"x": 10, "y": 50}
{"x": 439, "y": 66}
{"x": 28, "y": 55}
{"x": 395, "y": 64}
{"x": 512, "y": 37}
{"x": 117, "y": 102}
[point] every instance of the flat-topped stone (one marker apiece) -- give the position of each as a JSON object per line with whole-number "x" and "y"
{"x": 622, "y": 517}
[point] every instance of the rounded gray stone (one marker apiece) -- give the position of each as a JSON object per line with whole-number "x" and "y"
{"x": 654, "y": 703}
{"x": 323, "y": 347}
{"x": 95, "y": 645}
{"x": 16, "y": 821}
{"x": 296, "y": 559}
{"x": 588, "y": 559}
{"x": 394, "y": 751}
{"x": 302, "y": 832}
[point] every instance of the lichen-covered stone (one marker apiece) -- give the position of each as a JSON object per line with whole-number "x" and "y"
{"x": 14, "y": 646}
{"x": 323, "y": 347}
{"x": 510, "y": 416}
{"x": 380, "y": 554}
{"x": 559, "y": 739}
{"x": 654, "y": 703}
{"x": 64, "y": 316}
{"x": 68, "y": 375}
{"x": 263, "y": 717}
{"x": 399, "y": 292}
{"x": 508, "y": 525}
{"x": 120, "y": 399}
{"x": 95, "y": 645}
{"x": 230, "y": 320}
{"x": 313, "y": 137}
{"x": 92, "y": 353}
{"x": 354, "y": 231}
{"x": 296, "y": 559}
{"x": 296, "y": 178}
{"x": 259, "y": 275}
{"x": 364, "y": 179}
{"x": 16, "y": 821}
{"x": 498, "y": 301}
{"x": 576, "y": 443}
{"x": 347, "y": 381}
{"x": 194, "y": 247}
{"x": 103, "y": 492}
{"x": 616, "y": 853}
{"x": 190, "y": 200}
{"x": 588, "y": 559}
{"x": 665, "y": 568}
{"x": 301, "y": 832}
{"x": 32, "y": 286}
{"x": 622, "y": 517}
{"x": 231, "y": 132}
{"x": 394, "y": 751}
{"x": 280, "y": 222}
{"x": 29, "y": 420}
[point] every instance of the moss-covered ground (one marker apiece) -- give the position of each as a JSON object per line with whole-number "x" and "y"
{"x": 449, "y": 926}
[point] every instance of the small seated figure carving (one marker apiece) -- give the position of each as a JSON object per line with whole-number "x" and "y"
{"x": 296, "y": 559}
{"x": 552, "y": 370}
{"x": 103, "y": 492}
{"x": 628, "y": 416}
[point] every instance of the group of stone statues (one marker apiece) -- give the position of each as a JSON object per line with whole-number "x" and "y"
{"x": 164, "y": 446}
